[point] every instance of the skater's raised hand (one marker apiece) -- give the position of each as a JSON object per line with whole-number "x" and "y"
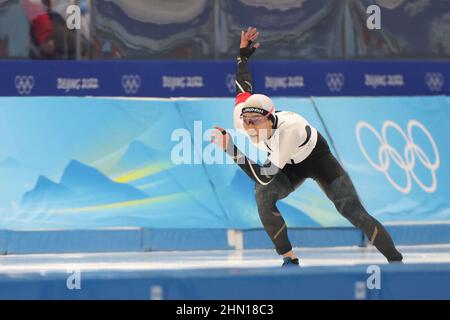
{"x": 220, "y": 137}
{"x": 248, "y": 45}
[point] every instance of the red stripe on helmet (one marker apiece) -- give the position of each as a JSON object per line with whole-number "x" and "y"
{"x": 241, "y": 97}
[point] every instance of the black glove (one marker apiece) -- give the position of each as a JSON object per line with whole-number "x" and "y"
{"x": 247, "y": 51}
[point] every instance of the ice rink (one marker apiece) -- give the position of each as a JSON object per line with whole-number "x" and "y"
{"x": 191, "y": 260}
{"x": 326, "y": 273}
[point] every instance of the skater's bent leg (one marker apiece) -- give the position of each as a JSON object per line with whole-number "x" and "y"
{"x": 273, "y": 222}
{"x": 343, "y": 194}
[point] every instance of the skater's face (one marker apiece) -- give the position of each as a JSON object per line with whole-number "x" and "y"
{"x": 258, "y": 127}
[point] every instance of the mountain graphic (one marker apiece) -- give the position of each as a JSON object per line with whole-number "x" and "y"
{"x": 137, "y": 155}
{"x": 10, "y": 162}
{"x": 84, "y": 180}
{"x": 46, "y": 194}
{"x": 164, "y": 178}
{"x": 16, "y": 178}
{"x": 80, "y": 185}
{"x": 161, "y": 177}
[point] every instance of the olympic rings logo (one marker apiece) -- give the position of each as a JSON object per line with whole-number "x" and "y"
{"x": 435, "y": 81}
{"x": 405, "y": 161}
{"x": 24, "y": 84}
{"x": 131, "y": 83}
{"x": 335, "y": 81}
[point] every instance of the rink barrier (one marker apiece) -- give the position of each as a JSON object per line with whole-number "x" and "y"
{"x": 420, "y": 234}
{"x": 63, "y": 241}
{"x": 408, "y": 281}
{"x": 3, "y": 245}
{"x": 184, "y": 239}
{"x": 307, "y": 237}
{"x": 145, "y": 239}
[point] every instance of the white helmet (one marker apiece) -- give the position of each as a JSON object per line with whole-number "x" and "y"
{"x": 258, "y": 103}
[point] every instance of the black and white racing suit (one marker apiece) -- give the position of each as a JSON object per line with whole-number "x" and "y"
{"x": 297, "y": 151}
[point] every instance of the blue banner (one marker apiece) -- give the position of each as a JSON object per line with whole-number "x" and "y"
{"x": 68, "y": 162}
{"x": 216, "y": 79}
{"x": 397, "y": 151}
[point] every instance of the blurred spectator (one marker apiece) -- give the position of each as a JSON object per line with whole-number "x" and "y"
{"x": 57, "y": 12}
{"x": 41, "y": 30}
{"x": 51, "y": 39}
{"x": 14, "y": 30}
{"x": 64, "y": 38}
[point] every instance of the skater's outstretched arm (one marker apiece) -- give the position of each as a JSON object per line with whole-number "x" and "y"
{"x": 247, "y": 47}
{"x": 260, "y": 174}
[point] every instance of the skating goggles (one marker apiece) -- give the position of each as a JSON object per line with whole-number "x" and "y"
{"x": 254, "y": 120}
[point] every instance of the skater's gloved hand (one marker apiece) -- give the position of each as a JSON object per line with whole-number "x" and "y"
{"x": 221, "y": 138}
{"x": 247, "y": 39}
